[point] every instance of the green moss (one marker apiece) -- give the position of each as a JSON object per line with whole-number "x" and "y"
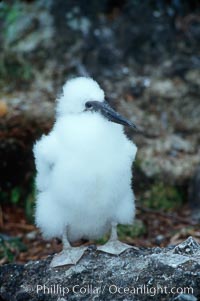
{"x": 12, "y": 196}
{"x": 16, "y": 193}
{"x": 137, "y": 229}
{"x": 21, "y": 196}
{"x": 10, "y": 247}
{"x": 102, "y": 240}
{"x": 9, "y": 13}
{"x": 162, "y": 196}
{"x": 14, "y": 68}
{"x": 137, "y": 164}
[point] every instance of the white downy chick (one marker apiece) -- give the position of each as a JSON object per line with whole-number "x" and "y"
{"x": 84, "y": 171}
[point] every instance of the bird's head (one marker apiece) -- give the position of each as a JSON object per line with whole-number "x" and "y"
{"x": 83, "y": 94}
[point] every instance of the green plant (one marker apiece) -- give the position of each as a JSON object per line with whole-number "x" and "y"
{"x": 13, "y": 196}
{"x": 9, "y": 248}
{"x": 10, "y": 13}
{"x": 137, "y": 229}
{"x": 163, "y": 196}
{"x": 16, "y": 193}
{"x": 13, "y": 67}
{"x": 21, "y": 196}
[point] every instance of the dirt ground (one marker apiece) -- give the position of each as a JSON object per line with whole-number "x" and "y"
{"x": 162, "y": 229}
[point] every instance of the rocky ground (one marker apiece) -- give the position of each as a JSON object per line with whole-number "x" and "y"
{"x": 139, "y": 273}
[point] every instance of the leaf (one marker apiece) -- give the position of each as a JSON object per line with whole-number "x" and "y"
{"x": 15, "y": 195}
{"x": 3, "y": 108}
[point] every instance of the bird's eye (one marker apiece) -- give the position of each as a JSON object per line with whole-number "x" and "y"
{"x": 88, "y": 105}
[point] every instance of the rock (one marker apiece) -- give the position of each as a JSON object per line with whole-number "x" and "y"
{"x": 26, "y": 119}
{"x": 170, "y": 157}
{"x": 30, "y": 28}
{"x": 31, "y": 235}
{"x": 159, "y": 239}
{"x": 193, "y": 76}
{"x": 185, "y": 297}
{"x": 167, "y": 88}
{"x": 189, "y": 246}
{"x": 139, "y": 274}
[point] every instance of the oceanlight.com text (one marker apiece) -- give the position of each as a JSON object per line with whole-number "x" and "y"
{"x": 147, "y": 290}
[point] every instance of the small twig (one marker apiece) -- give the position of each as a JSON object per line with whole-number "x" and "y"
{"x": 1, "y": 217}
{"x": 22, "y": 226}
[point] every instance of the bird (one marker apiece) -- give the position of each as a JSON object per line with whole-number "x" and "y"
{"x": 84, "y": 172}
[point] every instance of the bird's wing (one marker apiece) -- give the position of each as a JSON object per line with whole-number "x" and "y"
{"x": 45, "y": 155}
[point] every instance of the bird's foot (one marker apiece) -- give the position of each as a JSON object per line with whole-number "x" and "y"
{"x": 114, "y": 247}
{"x": 69, "y": 256}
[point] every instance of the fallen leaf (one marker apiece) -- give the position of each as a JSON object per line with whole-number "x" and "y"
{"x": 3, "y": 108}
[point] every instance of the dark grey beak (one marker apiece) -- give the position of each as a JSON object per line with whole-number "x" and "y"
{"x": 105, "y": 109}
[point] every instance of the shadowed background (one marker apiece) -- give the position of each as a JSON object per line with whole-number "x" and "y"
{"x": 146, "y": 56}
